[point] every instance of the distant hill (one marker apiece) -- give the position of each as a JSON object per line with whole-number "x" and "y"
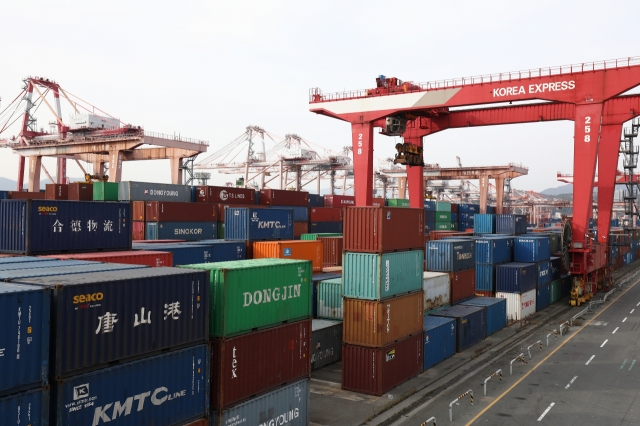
{"x": 10, "y": 185}
{"x": 563, "y": 189}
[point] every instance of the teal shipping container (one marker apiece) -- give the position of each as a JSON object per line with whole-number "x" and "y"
{"x": 381, "y": 276}
{"x": 330, "y": 299}
{"x": 443, "y": 206}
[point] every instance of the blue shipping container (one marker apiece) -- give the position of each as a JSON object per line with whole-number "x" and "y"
{"x": 27, "y": 408}
{"x": 484, "y": 223}
{"x": 430, "y": 206}
{"x": 316, "y": 278}
{"x": 543, "y": 297}
{"x": 429, "y": 215}
{"x": 187, "y": 254}
{"x": 463, "y": 226}
{"x": 300, "y": 214}
{"x": 544, "y": 272}
{"x": 315, "y": 200}
{"x": 495, "y": 312}
{"x": 486, "y": 277}
{"x": 494, "y": 250}
{"x": 512, "y": 224}
{"x": 48, "y": 226}
{"x": 102, "y": 317}
{"x": 24, "y": 337}
{"x": 450, "y": 255}
{"x": 16, "y": 274}
{"x": 248, "y": 224}
{"x": 454, "y": 217}
{"x": 176, "y": 385}
{"x": 465, "y": 217}
{"x": 325, "y": 227}
{"x": 516, "y": 277}
{"x": 531, "y": 249}
{"x": 439, "y": 339}
{"x": 470, "y": 324}
{"x": 4, "y": 195}
{"x": 468, "y": 208}
{"x": 429, "y": 226}
{"x": 190, "y": 231}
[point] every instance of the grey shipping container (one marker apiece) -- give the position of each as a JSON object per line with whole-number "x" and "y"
{"x": 147, "y": 191}
{"x": 16, "y": 274}
{"x": 175, "y": 384}
{"x": 326, "y": 342}
{"x": 24, "y": 337}
{"x": 29, "y": 408}
{"x": 21, "y": 259}
{"x": 288, "y": 405}
{"x": 190, "y": 231}
{"x": 48, "y": 264}
{"x": 104, "y": 317}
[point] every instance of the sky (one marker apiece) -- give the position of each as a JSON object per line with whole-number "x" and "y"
{"x": 208, "y": 69}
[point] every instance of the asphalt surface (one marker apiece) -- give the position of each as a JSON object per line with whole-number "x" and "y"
{"x": 590, "y": 376}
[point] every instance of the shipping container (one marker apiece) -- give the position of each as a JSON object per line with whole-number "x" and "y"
{"x": 190, "y": 231}
{"x": 246, "y": 365}
{"x": 105, "y": 191}
{"x": 555, "y": 265}
{"x": 184, "y": 254}
{"x": 555, "y": 291}
{"x": 430, "y": 205}
{"x": 176, "y": 384}
{"x": 147, "y": 191}
{"x": 486, "y": 277}
{"x": 495, "y": 312}
{"x": 137, "y": 230}
{"x": 339, "y": 201}
{"x": 326, "y": 342}
{"x": 220, "y": 230}
{"x": 17, "y": 274}
{"x": 29, "y": 408}
{"x": 222, "y": 209}
{"x": 146, "y": 258}
{"x": 325, "y": 228}
{"x": 439, "y": 340}
{"x": 554, "y": 240}
{"x": 511, "y": 224}
{"x": 443, "y": 216}
{"x": 325, "y": 214}
{"x": 429, "y": 216}
{"x": 300, "y": 214}
{"x": 375, "y": 371}
{"x": 464, "y": 226}
{"x": 287, "y": 405}
{"x": 543, "y": 296}
{"x": 4, "y": 195}
{"x": 329, "y": 302}
{"x": 470, "y": 324}
{"x": 6, "y": 259}
{"x": 494, "y": 250}
{"x": 531, "y": 249}
{"x": 316, "y": 200}
{"x": 443, "y": 206}
{"x": 299, "y": 229}
{"x": 375, "y": 276}
{"x": 161, "y": 211}
{"x": 24, "y": 195}
{"x": 54, "y": 191}
{"x": 468, "y": 208}
{"x": 332, "y": 248}
{"x": 519, "y": 305}
{"x": 199, "y": 422}
{"x": 258, "y": 224}
{"x": 378, "y": 202}
{"x": 454, "y": 218}
{"x": 516, "y": 277}
{"x": 299, "y": 250}
{"x": 283, "y": 197}
{"x": 484, "y": 224}
{"x": 224, "y": 194}
{"x": 139, "y": 210}
{"x": 104, "y": 317}
{"x": 44, "y": 226}
{"x": 398, "y": 202}
{"x": 248, "y": 295}
{"x": 80, "y": 192}
{"x": 439, "y": 235}
{"x": 383, "y": 229}
{"x": 450, "y": 255}
{"x": 544, "y": 272}
{"x": 437, "y": 290}
{"x": 47, "y": 263}
{"x": 24, "y": 337}
{"x": 374, "y": 323}
{"x": 463, "y": 285}
{"x": 315, "y": 280}
{"x": 314, "y": 237}
{"x": 466, "y": 217}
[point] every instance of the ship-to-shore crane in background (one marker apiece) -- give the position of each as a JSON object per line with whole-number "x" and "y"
{"x": 95, "y": 138}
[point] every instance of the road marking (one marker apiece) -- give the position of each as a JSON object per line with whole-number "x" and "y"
{"x": 623, "y": 364}
{"x": 571, "y": 382}
{"x": 632, "y": 311}
{"x": 590, "y": 359}
{"x": 631, "y": 366}
{"x": 604, "y": 343}
{"x": 625, "y": 318}
{"x": 546, "y": 411}
{"x": 495, "y": 401}
{"x": 638, "y": 304}
{"x": 614, "y": 331}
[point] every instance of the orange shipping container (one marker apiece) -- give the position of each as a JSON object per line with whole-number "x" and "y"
{"x": 331, "y": 251}
{"x": 292, "y": 249}
{"x": 139, "y": 208}
{"x": 376, "y": 324}
{"x": 438, "y": 235}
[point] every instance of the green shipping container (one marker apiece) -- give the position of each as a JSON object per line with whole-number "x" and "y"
{"x": 220, "y": 230}
{"x": 330, "y": 299}
{"x": 443, "y": 226}
{"x": 443, "y": 206}
{"x": 555, "y": 291}
{"x": 105, "y": 191}
{"x": 443, "y": 217}
{"x": 381, "y": 276}
{"x": 314, "y": 237}
{"x": 398, "y": 202}
{"x": 248, "y": 295}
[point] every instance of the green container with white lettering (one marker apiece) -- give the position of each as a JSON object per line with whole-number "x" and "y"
{"x": 249, "y": 295}
{"x": 314, "y": 237}
{"x": 330, "y": 299}
{"x": 374, "y": 276}
{"x": 443, "y": 216}
{"x": 398, "y": 202}
{"x": 443, "y": 226}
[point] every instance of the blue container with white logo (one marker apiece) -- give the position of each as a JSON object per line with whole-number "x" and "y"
{"x": 512, "y": 224}
{"x": 486, "y": 277}
{"x": 544, "y": 272}
{"x": 29, "y": 408}
{"x": 484, "y": 223}
{"x": 193, "y": 253}
{"x": 468, "y": 208}
{"x": 465, "y": 217}
{"x": 250, "y": 224}
{"x": 556, "y": 268}
{"x": 531, "y": 249}
{"x": 325, "y": 227}
{"x": 450, "y": 255}
{"x": 167, "y": 389}
{"x": 495, "y": 312}
{"x": 543, "y": 296}
{"x": 516, "y": 277}
{"x": 190, "y": 231}
{"x": 315, "y": 279}
{"x": 430, "y": 206}
{"x": 463, "y": 226}
{"x": 429, "y": 226}
{"x": 439, "y": 340}
{"x": 494, "y": 250}
{"x": 300, "y": 214}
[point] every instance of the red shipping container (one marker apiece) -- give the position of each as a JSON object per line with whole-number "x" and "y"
{"x": 463, "y": 285}
{"x": 221, "y": 209}
{"x": 454, "y": 208}
{"x": 282, "y": 197}
{"x": 80, "y": 192}
{"x": 325, "y": 214}
{"x": 377, "y": 202}
{"x": 340, "y": 201}
{"x": 300, "y": 228}
{"x": 54, "y": 191}
{"x": 375, "y": 371}
{"x": 154, "y": 259}
{"x": 383, "y": 229}
{"x": 139, "y": 208}
{"x": 437, "y": 235}
{"x": 246, "y": 365}
{"x": 331, "y": 251}
{"x": 225, "y": 194}
{"x": 137, "y": 230}
{"x": 23, "y": 195}
{"x": 161, "y": 211}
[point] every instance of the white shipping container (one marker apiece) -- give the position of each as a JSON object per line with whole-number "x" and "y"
{"x": 519, "y": 306}
{"x": 92, "y": 122}
{"x": 437, "y": 290}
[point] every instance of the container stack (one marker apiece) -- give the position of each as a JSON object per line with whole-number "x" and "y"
{"x": 328, "y": 218}
{"x": 398, "y": 202}
{"x": 184, "y": 220}
{"x": 204, "y": 251}
{"x": 224, "y": 197}
{"x": 466, "y": 214}
{"x": 491, "y": 252}
{"x": 457, "y": 258}
{"x": 383, "y": 299}
{"x": 516, "y": 282}
{"x": 298, "y": 201}
{"x": 511, "y": 224}
{"x": 484, "y": 224}
{"x": 536, "y": 250}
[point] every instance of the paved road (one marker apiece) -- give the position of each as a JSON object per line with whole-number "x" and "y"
{"x": 589, "y": 377}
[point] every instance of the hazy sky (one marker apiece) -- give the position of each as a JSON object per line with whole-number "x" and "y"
{"x": 208, "y": 69}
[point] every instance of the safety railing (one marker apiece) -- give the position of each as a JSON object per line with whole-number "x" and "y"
{"x": 532, "y": 345}
{"x": 177, "y": 138}
{"x": 431, "y": 419}
{"x": 469, "y": 392}
{"x": 498, "y": 372}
